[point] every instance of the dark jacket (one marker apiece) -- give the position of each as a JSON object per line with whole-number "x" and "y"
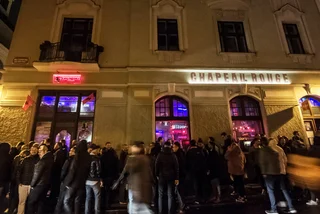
{"x": 181, "y": 157}
{"x": 65, "y": 168}
{"x": 27, "y": 169}
{"x": 167, "y": 166}
{"x": 109, "y": 164}
{"x": 60, "y": 156}
{"x": 78, "y": 172}
{"x": 140, "y": 181}
{"x": 123, "y": 159}
{"x": 196, "y": 161}
{"x": 155, "y": 151}
{"x": 214, "y": 164}
{"x": 227, "y": 143}
{"x": 15, "y": 171}
{"x": 5, "y": 164}
{"x": 42, "y": 171}
{"x": 269, "y": 161}
{"x": 95, "y": 169}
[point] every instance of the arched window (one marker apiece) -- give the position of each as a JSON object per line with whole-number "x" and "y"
{"x": 246, "y": 118}
{"x": 310, "y": 108}
{"x": 172, "y": 119}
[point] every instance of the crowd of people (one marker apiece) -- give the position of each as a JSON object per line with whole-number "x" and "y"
{"x": 33, "y": 175}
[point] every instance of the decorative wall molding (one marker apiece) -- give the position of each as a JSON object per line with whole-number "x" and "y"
{"x": 168, "y": 9}
{"x": 301, "y": 58}
{"x": 237, "y": 58}
{"x": 77, "y": 8}
{"x": 277, "y": 4}
{"x": 3, "y": 54}
{"x": 228, "y": 4}
{"x": 14, "y": 96}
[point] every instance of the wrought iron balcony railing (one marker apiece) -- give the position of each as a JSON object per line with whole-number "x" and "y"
{"x": 52, "y": 52}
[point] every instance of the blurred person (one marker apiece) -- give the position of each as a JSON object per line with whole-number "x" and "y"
{"x": 297, "y": 145}
{"x": 75, "y": 180}
{"x": 30, "y": 144}
{"x": 273, "y": 163}
{"x": 283, "y": 142}
{"x": 73, "y": 143}
{"x": 109, "y": 173}
{"x": 64, "y": 172}
{"x": 94, "y": 183}
{"x": 140, "y": 181}
{"x": 214, "y": 170}
{"x": 157, "y": 147}
{"x": 167, "y": 173}
{"x": 48, "y": 142}
{"x": 236, "y": 163}
{"x": 19, "y": 145}
{"x": 60, "y": 156}
{"x": 196, "y": 166}
{"x": 25, "y": 177}
{"x": 5, "y": 175}
{"x": 122, "y": 163}
{"x": 182, "y": 173}
{"x": 14, "y": 151}
{"x": 202, "y": 146}
{"x": 257, "y": 137}
{"x": 227, "y": 142}
{"x": 40, "y": 182}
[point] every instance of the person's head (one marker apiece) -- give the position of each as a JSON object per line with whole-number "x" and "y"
{"x": 264, "y": 141}
{"x": 296, "y": 133}
{"x": 34, "y": 150}
{"x": 108, "y": 145}
{"x": 5, "y": 148}
{"x": 167, "y": 144}
{"x": 125, "y": 147}
{"x": 256, "y": 143}
{"x": 151, "y": 145}
{"x": 19, "y": 145}
{"x": 193, "y": 143}
{"x": 57, "y": 146}
{"x": 160, "y": 140}
{"x": 30, "y": 144}
{"x": 211, "y": 140}
{"x": 43, "y": 150}
{"x": 176, "y": 146}
{"x": 63, "y": 143}
{"x": 48, "y": 141}
{"x": 272, "y": 142}
{"x": 224, "y": 135}
{"x": 283, "y": 141}
{"x": 137, "y": 148}
{"x": 72, "y": 151}
{"x": 24, "y": 147}
{"x": 74, "y": 143}
{"x": 95, "y": 149}
{"x": 257, "y": 136}
{"x": 24, "y": 153}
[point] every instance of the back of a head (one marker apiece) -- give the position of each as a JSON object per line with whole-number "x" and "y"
{"x": 167, "y": 144}
{"x": 193, "y": 143}
{"x": 264, "y": 141}
{"x": 5, "y": 148}
{"x": 177, "y": 144}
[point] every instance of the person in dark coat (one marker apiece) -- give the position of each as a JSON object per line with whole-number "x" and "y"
{"x": 196, "y": 166}
{"x": 110, "y": 172}
{"x": 123, "y": 160}
{"x": 182, "y": 173}
{"x": 167, "y": 172}
{"x": 40, "y": 182}
{"x": 75, "y": 180}
{"x": 60, "y": 156}
{"x": 227, "y": 142}
{"x": 214, "y": 164}
{"x": 5, "y": 175}
{"x": 25, "y": 177}
{"x": 64, "y": 173}
{"x": 140, "y": 180}
{"x": 155, "y": 151}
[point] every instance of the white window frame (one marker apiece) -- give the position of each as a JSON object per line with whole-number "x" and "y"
{"x": 76, "y": 9}
{"x": 168, "y": 9}
{"x": 291, "y": 15}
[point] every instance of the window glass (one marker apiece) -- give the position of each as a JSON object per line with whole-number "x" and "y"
{"x": 47, "y": 105}
{"x": 163, "y": 108}
{"x": 174, "y": 130}
{"x": 293, "y": 38}
{"x": 42, "y": 131}
{"x": 68, "y": 104}
{"x": 85, "y": 129}
{"x": 246, "y": 129}
{"x": 168, "y": 35}
{"x": 87, "y": 110}
{"x": 179, "y": 109}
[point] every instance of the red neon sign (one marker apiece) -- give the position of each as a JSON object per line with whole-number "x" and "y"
{"x": 66, "y": 78}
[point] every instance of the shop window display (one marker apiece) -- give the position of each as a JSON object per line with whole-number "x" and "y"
{"x": 68, "y": 104}
{"x": 172, "y": 119}
{"x": 47, "y": 105}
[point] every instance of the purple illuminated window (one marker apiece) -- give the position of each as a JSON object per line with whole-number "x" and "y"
{"x": 313, "y": 101}
{"x": 163, "y": 108}
{"x": 68, "y": 104}
{"x": 47, "y": 106}
{"x": 179, "y": 109}
{"x": 87, "y": 110}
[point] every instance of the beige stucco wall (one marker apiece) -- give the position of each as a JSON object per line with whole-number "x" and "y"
{"x": 14, "y": 124}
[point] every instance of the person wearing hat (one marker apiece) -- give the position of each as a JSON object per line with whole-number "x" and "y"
{"x": 94, "y": 183}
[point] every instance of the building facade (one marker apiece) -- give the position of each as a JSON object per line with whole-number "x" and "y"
{"x": 181, "y": 69}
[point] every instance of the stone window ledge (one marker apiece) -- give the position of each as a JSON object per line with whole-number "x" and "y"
{"x": 169, "y": 56}
{"x": 236, "y": 57}
{"x": 301, "y": 58}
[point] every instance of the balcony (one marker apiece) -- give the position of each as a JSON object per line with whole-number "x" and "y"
{"x": 66, "y": 58}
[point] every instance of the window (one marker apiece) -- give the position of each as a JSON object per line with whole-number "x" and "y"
{"x": 4, "y": 4}
{"x": 168, "y": 39}
{"x": 62, "y": 115}
{"x": 172, "y": 119}
{"x": 232, "y": 37}
{"x": 246, "y": 118}
{"x": 293, "y": 39}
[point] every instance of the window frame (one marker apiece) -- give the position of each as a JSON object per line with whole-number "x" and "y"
{"x": 171, "y": 115}
{"x": 289, "y": 38}
{"x": 168, "y": 34}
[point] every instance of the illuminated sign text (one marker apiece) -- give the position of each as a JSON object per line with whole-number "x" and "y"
{"x": 66, "y": 78}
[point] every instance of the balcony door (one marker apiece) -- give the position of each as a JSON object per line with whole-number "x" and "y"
{"x": 75, "y": 37}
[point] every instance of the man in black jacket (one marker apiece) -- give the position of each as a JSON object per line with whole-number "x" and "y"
{"x": 93, "y": 183}
{"x": 123, "y": 160}
{"x": 40, "y": 182}
{"x": 167, "y": 172}
{"x": 5, "y": 169}
{"x": 110, "y": 172}
{"x": 182, "y": 172}
{"x": 25, "y": 177}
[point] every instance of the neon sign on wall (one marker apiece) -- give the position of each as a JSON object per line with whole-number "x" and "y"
{"x": 238, "y": 78}
{"x": 66, "y": 78}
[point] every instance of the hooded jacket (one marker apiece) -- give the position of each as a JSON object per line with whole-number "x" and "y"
{"x": 236, "y": 160}
{"x": 167, "y": 166}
